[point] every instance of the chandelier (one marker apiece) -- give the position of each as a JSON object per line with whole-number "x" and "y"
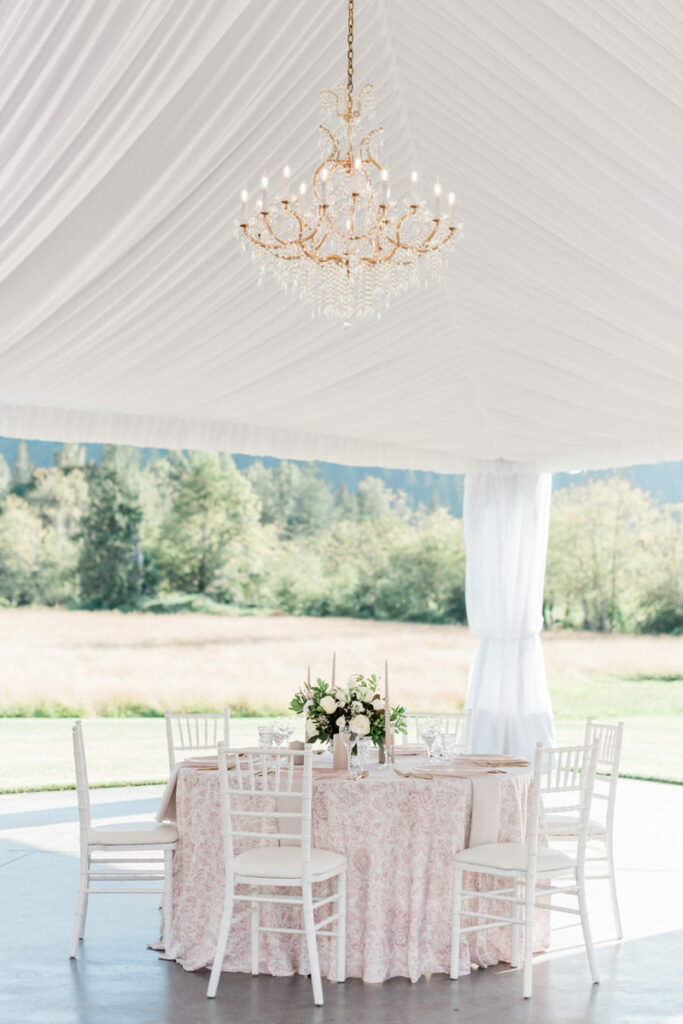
{"x": 353, "y": 247}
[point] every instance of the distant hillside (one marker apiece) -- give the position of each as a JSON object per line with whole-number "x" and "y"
{"x": 664, "y": 480}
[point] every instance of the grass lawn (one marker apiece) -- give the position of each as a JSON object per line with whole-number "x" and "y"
{"x": 108, "y": 664}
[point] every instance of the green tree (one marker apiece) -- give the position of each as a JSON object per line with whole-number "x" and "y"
{"x": 70, "y": 456}
{"x": 600, "y": 553}
{"x": 5, "y": 476}
{"x": 23, "y": 469}
{"x": 21, "y": 552}
{"x": 297, "y": 501}
{"x": 111, "y": 562}
{"x": 213, "y": 513}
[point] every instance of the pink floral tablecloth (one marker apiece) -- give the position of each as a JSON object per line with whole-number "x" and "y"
{"x": 399, "y": 836}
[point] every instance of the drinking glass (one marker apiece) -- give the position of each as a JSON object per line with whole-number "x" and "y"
{"x": 363, "y": 756}
{"x": 430, "y": 730}
{"x": 266, "y": 735}
{"x": 449, "y": 744}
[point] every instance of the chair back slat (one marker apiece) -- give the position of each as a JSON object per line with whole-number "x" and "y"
{"x": 454, "y": 724}
{"x": 559, "y": 771}
{"x": 188, "y": 733}
{"x": 609, "y": 739}
{"x": 257, "y": 787}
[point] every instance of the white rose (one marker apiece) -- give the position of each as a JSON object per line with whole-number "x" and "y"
{"x": 378, "y": 704}
{"x": 329, "y": 705}
{"x": 360, "y": 724}
{"x": 311, "y": 728}
{"x": 341, "y": 722}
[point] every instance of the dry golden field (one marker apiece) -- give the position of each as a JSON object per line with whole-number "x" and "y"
{"x": 98, "y": 662}
{"x": 108, "y": 663}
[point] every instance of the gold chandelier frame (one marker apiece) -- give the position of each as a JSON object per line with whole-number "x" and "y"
{"x": 355, "y": 229}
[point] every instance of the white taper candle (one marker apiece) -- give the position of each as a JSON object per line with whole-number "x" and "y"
{"x": 387, "y": 707}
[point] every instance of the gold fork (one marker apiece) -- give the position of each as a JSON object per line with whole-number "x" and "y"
{"x": 412, "y": 775}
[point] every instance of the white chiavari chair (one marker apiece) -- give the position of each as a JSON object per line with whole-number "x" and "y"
{"x": 568, "y": 779}
{"x": 458, "y": 725}
{"x": 264, "y": 797}
{"x": 102, "y": 870}
{"x": 601, "y": 828}
{"x": 186, "y": 734}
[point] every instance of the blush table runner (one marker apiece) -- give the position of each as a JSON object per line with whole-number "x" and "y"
{"x": 399, "y": 835}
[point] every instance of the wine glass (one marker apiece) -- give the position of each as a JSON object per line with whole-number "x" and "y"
{"x": 350, "y": 740}
{"x": 430, "y": 730}
{"x": 282, "y": 730}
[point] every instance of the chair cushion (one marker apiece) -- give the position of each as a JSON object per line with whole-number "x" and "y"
{"x": 133, "y": 834}
{"x": 285, "y": 862}
{"x": 512, "y": 857}
{"x": 568, "y": 825}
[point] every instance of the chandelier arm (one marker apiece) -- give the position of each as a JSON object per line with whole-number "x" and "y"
{"x": 335, "y": 153}
{"x": 364, "y": 147}
{"x": 271, "y": 231}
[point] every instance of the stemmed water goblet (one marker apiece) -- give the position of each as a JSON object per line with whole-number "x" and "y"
{"x": 351, "y": 740}
{"x": 430, "y": 731}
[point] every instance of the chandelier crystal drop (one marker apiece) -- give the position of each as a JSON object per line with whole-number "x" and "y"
{"x": 352, "y": 246}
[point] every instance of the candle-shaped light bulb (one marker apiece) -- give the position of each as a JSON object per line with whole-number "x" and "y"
{"x": 356, "y": 176}
{"x": 384, "y": 178}
{"x": 245, "y": 206}
{"x": 451, "y": 201}
{"x": 286, "y": 174}
{"x": 264, "y": 192}
{"x": 302, "y": 197}
{"x": 324, "y": 175}
{"x": 437, "y": 199}
{"x": 413, "y": 188}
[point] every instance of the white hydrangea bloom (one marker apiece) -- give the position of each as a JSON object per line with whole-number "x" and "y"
{"x": 356, "y": 707}
{"x": 341, "y": 722}
{"x": 360, "y": 724}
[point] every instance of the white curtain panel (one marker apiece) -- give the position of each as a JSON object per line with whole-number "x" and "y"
{"x": 506, "y": 519}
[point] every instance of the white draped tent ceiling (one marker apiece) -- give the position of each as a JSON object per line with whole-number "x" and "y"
{"x": 129, "y": 313}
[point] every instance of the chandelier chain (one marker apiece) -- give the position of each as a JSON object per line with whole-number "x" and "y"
{"x": 349, "y": 57}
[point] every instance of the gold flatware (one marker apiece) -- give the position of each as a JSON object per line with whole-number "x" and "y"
{"x": 413, "y": 775}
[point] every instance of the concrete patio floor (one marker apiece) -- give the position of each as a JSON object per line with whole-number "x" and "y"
{"x": 116, "y": 980}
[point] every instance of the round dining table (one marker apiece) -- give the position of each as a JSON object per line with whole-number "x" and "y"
{"x": 399, "y": 836}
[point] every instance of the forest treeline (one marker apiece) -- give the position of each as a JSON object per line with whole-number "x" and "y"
{"x": 192, "y": 531}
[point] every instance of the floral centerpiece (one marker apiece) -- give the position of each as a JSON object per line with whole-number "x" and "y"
{"x": 357, "y": 707}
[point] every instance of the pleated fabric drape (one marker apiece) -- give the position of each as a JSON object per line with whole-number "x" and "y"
{"x": 506, "y": 517}
{"x": 128, "y": 312}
